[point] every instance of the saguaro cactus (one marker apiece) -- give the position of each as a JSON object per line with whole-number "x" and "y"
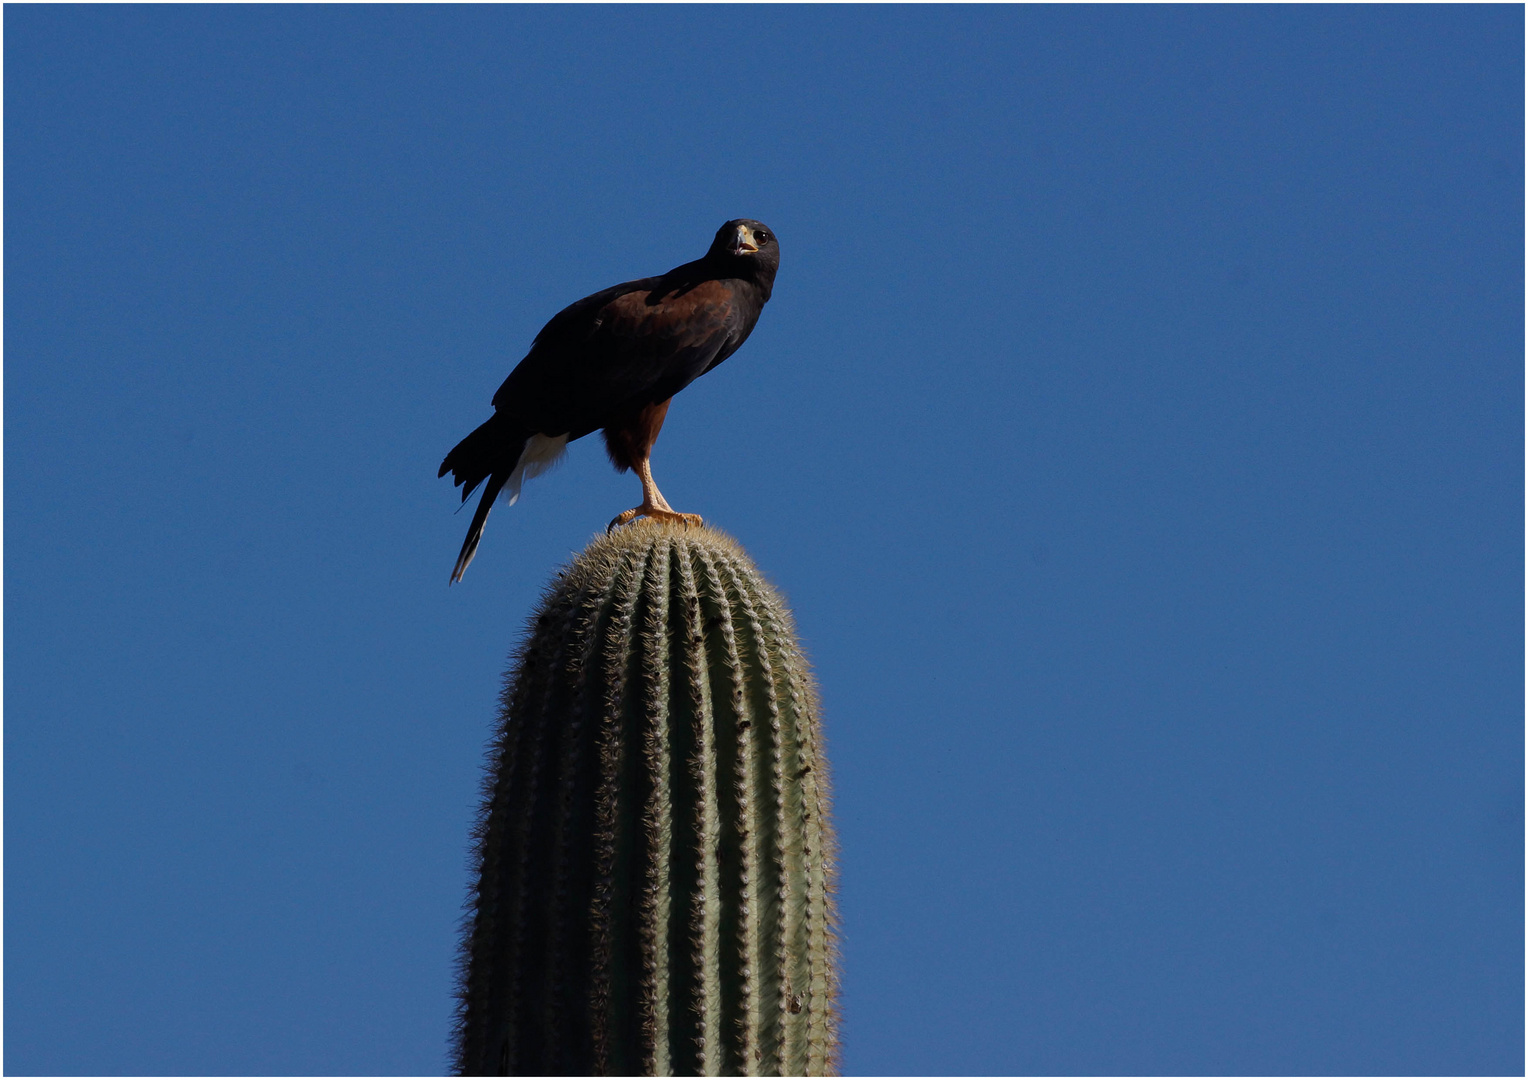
{"x": 655, "y": 860}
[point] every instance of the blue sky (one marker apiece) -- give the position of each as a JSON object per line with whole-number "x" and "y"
{"x": 1136, "y": 428}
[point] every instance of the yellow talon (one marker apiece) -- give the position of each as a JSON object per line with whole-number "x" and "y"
{"x": 655, "y": 513}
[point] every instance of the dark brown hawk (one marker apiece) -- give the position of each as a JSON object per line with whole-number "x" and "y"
{"x": 611, "y": 362}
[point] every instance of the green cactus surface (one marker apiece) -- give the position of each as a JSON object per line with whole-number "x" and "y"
{"x": 654, "y": 853}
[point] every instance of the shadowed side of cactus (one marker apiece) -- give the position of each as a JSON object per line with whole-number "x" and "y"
{"x": 654, "y": 888}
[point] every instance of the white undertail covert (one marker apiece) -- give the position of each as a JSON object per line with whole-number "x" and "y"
{"x": 541, "y": 453}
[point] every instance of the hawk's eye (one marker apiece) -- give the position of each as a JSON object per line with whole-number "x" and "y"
{"x": 761, "y": 236}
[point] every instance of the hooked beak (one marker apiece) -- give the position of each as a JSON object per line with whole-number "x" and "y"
{"x": 742, "y": 243}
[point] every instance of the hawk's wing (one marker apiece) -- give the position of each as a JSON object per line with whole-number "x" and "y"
{"x": 639, "y": 342}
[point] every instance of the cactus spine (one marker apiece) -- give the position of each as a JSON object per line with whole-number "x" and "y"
{"x": 654, "y": 886}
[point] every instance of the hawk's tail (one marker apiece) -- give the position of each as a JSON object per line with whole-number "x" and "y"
{"x": 490, "y": 453}
{"x": 479, "y": 519}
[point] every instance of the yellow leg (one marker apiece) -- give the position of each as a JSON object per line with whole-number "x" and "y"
{"x": 654, "y": 505}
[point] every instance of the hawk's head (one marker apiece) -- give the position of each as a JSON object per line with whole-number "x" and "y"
{"x": 750, "y": 242}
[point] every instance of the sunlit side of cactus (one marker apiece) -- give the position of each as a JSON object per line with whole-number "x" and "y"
{"x": 654, "y": 887}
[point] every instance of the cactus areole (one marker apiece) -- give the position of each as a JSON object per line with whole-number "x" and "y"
{"x": 654, "y": 856}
